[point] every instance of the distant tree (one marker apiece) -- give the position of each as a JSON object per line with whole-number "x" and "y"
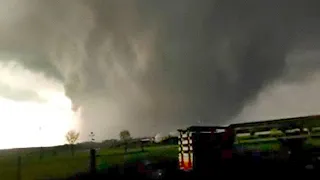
{"x": 71, "y": 137}
{"x": 110, "y": 142}
{"x": 125, "y": 137}
{"x": 275, "y": 132}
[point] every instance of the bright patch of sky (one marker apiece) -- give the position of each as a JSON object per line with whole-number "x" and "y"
{"x": 33, "y": 109}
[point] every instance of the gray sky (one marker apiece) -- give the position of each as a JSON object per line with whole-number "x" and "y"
{"x": 151, "y": 66}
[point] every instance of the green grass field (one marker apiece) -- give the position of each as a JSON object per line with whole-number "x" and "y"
{"x": 64, "y": 164}
{"x": 270, "y": 144}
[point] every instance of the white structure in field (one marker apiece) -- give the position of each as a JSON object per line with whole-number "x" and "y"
{"x": 158, "y": 138}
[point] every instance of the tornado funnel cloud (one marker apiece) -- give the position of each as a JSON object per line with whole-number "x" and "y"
{"x": 150, "y": 66}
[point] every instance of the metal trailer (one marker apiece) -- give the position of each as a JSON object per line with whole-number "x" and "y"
{"x": 197, "y": 144}
{"x": 203, "y": 148}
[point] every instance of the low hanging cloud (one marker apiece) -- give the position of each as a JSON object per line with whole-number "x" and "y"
{"x": 149, "y": 65}
{"x": 19, "y": 95}
{"x": 22, "y": 85}
{"x": 284, "y": 100}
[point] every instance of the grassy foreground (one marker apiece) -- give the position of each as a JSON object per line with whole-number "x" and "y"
{"x": 64, "y": 164}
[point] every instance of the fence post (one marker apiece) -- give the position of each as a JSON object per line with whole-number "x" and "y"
{"x": 142, "y": 146}
{"x": 19, "y": 168}
{"x": 92, "y": 167}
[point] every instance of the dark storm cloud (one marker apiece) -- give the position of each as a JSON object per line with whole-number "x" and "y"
{"x": 35, "y": 62}
{"x": 154, "y": 64}
{"x": 19, "y": 95}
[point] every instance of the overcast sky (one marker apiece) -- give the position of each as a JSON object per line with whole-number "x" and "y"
{"x": 152, "y": 66}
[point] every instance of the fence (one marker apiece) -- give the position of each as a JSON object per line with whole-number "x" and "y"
{"x": 27, "y": 168}
{"x": 33, "y": 165}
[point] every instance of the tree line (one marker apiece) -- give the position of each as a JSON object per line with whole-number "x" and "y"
{"x": 125, "y": 141}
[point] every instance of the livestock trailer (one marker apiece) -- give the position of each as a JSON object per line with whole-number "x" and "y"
{"x": 197, "y": 144}
{"x": 208, "y": 147}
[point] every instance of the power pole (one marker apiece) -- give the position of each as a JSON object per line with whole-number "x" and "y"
{"x": 41, "y": 148}
{"x": 92, "y": 168}
{"x": 92, "y": 139}
{"x": 91, "y": 135}
{"x": 19, "y": 168}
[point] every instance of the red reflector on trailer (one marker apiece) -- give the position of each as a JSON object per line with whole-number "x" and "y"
{"x": 186, "y": 166}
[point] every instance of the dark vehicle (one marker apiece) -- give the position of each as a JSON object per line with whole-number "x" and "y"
{"x": 151, "y": 170}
